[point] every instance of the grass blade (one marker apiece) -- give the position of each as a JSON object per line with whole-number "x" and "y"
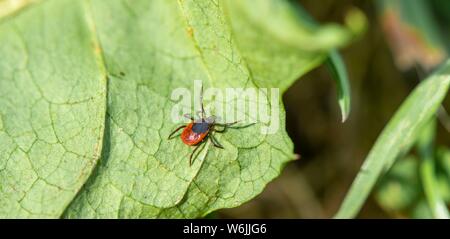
{"x": 425, "y": 146}
{"x": 397, "y": 137}
{"x": 337, "y": 69}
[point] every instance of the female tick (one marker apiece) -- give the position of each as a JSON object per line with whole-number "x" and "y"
{"x": 199, "y": 130}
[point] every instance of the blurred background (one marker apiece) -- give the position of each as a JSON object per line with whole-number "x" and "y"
{"x": 405, "y": 40}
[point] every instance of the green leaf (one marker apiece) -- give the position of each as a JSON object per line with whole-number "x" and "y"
{"x": 52, "y": 109}
{"x": 82, "y": 77}
{"x": 397, "y": 137}
{"x": 339, "y": 73}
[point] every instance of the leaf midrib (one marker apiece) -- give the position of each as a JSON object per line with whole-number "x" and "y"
{"x": 98, "y": 53}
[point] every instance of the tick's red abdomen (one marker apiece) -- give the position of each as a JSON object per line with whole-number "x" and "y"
{"x": 189, "y": 137}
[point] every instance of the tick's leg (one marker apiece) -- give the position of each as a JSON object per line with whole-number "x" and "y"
{"x": 215, "y": 142}
{"x": 176, "y": 130}
{"x": 241, "y": 126}
{"x": 227, "y": 124}
{"x": 201, "y": 101}
{"x": 213, "y": 129}
{"x": 192, "y": 154}
{"x": 221, "y": 130}
{"x": 200, "y": 115}
{"x": 189, "y": 116}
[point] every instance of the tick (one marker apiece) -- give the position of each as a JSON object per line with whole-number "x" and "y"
{"x": 199, "y": 130}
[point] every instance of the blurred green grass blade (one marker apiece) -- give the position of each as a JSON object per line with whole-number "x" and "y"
{"x": 443, "y": 154}
{"x": 397, "y": 137}
{"x": 338, "y": 71}
{"x": 428, "y": 175}
{"x": 443, "y": 165}
{"x": 431, "y": 189}
{"x": 425, "y": 142}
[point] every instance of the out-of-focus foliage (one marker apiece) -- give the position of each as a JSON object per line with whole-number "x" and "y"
{"x": 401, "y": 193}
{"x": 397, "y": 137}
{"x": 406, "y": 40}
{"x": 400, "y": 188}
{"x": 412, "y": 33}
{"x": 417, "y": 186}
{"x": 416, "y": 31}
